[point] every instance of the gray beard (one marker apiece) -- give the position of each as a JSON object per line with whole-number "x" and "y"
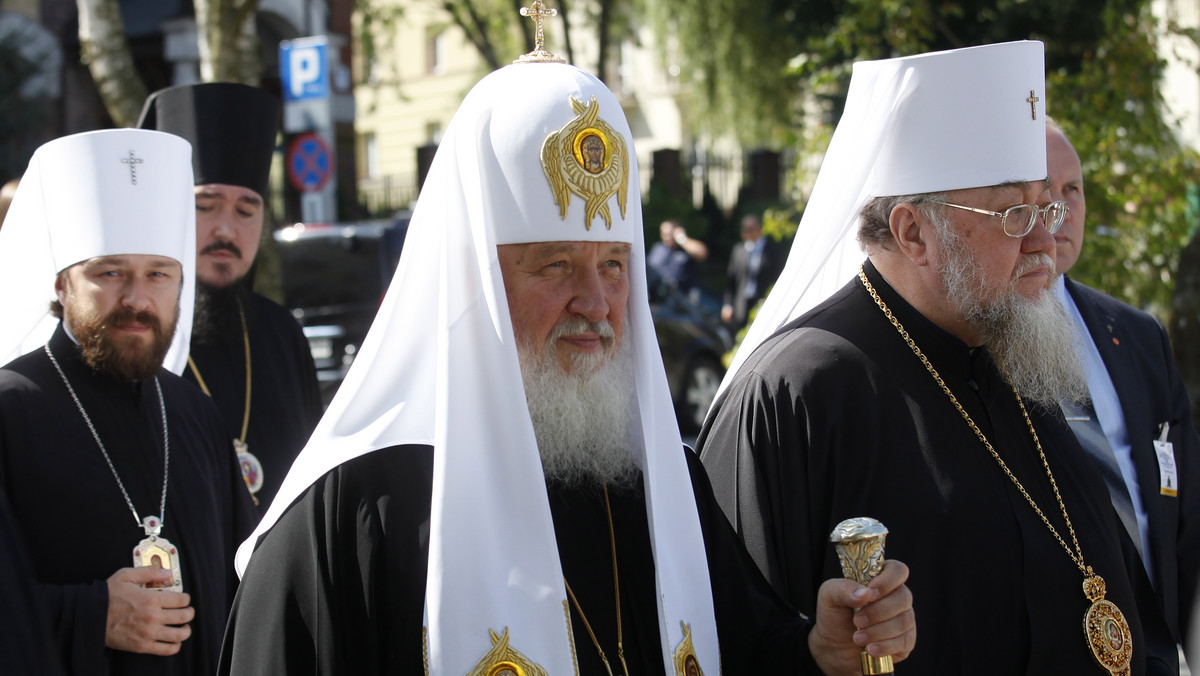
{"x": 583, "y": 420}
{"x": 1031, "y": 341}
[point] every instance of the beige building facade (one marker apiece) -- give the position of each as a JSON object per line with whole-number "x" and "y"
{"x": 421, "y": 69}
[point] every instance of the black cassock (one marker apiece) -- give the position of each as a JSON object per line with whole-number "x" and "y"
{"x": 25, "y": 643}
{"x": 834, "y": 417}
{"x": 285, "y": 401}
{"x": 338, "y": 585}
{"x": 77, "y": 527}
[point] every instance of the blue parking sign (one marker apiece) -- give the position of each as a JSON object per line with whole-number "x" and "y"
{"x": 304, "y": 68}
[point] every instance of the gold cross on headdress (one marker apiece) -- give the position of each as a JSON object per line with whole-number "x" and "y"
{"x": 1032, "y": 101}
{"x": 537, "y": 11}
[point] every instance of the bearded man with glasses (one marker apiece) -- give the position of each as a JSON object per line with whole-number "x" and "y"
{"x": 921, "y": 386}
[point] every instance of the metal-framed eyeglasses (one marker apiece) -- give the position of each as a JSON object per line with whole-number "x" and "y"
{"x": 1018, "y": 221}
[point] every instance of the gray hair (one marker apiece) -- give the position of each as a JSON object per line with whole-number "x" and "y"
{"x": 874, "y": 230}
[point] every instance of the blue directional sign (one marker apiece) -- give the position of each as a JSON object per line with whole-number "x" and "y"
{"x": 304, "y": 68}
{"x": 309, "y": 163}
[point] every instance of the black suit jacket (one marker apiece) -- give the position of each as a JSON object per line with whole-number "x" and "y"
{"x": 1137, "y": 354}
{"x": 773, "y": 258}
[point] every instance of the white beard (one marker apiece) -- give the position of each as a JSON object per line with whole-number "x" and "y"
{"x": 1031, "y": 341}
{"x": 583, "y": 419}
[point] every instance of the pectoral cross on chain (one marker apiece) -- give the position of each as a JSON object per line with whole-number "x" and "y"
{"x": 537, "y": 11}
{"x": 1032, "y": 101}
{"x": 133, "y": 160}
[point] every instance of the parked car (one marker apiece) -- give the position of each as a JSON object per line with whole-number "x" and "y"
{"x": 334, "y": 278}
{"x": 335, "y": 275}
{"x": 692, "y": 341}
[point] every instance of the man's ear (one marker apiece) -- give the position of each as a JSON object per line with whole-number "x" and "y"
{"x": 911, "y": 231}
{"x": 60, "y": 287}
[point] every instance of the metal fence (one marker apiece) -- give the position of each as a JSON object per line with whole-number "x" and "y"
{"x": 384, "y": 196}
{"x": 721, "y": 174}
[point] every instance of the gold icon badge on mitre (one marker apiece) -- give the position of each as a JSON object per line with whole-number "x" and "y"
{"x": 587, "y": 157}
{"x": 503, "y": 660}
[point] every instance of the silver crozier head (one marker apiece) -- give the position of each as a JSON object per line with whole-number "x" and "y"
{"x": 859, "y": 545}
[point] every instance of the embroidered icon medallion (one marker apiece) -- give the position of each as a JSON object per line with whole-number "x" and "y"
{"x": 504, "y": 660}
{"x": 588, "y": 158}
{"x": 685, "y": 660}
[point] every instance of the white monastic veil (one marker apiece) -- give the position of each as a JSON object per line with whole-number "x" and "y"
{"x": 904, "y": 131}
{"x": 439, "y": 367}
{"x": 116, "y": 191}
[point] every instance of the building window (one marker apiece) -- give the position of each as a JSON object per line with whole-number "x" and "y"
{"x": 435, "y": 51}
{"x": 371, "y": 66}
{"x": 371, "y": 151}
{"x": 433, "y": 133}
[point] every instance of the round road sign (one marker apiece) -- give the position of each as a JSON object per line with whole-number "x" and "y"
{"x": 309, "y": 162}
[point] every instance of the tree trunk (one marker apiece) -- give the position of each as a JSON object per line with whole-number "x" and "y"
{"x": 466, "y": 16}
{"x": 1185, "y": 320}
{"x": 104, "y": 50}
{"x": 602, "y": 33}
{"x": 566, "y": 19}
{"x": 526, "y": 27}
{"x": 227, "y": 41}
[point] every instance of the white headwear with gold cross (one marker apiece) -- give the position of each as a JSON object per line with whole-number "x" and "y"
{"x": 99, "y": 193}
{"x": 963, "y": 118}
{"x": 440, "y": 367}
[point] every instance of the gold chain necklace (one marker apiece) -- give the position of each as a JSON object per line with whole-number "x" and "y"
{"x": 252, "y": 469}
{"x": 612, "y": 539}
{"x": 1104, "y": 625}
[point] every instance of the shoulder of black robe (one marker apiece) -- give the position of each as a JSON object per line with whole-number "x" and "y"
{"x": 834, "y": 417}
{"x": 285, "y": 399}
{"x": 757, "y": 627}
{"x": 338, "y": 585}
{"x": 25, "y": 643}
{"x": 86, "y": 532}
{"x": 299, "y": 356}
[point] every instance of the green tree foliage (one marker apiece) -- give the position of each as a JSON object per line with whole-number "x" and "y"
{"x": 751, "y": 63}
{"x": 497, "y": 30}
{"x": 491, "y": 26}
{"x": 1103, "y": 79}
{"x": 733, "y": 59}
{"x": 1136, "y": 173}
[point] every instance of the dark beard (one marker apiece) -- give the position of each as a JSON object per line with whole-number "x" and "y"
{"x": 123, "y": 359}
{"x": 216, "y": 316}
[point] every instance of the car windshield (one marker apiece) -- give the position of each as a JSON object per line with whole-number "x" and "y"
{"x": 332, "y": 271}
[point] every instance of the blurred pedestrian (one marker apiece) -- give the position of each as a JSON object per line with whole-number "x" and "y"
{"x": 754, "y": 265}
{"x": 672, "y": 260}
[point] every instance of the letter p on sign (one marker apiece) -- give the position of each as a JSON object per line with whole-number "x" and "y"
{"x": 305, "y": 69}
